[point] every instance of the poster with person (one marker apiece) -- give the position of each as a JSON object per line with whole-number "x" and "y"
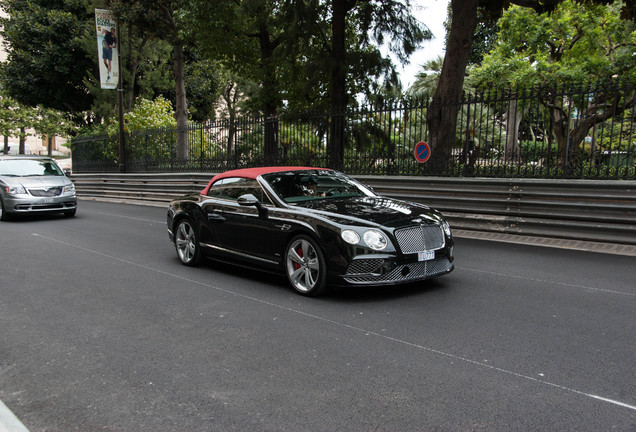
{"x": 106, "y": 27}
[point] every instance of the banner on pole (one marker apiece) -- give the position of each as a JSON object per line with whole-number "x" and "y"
{"x": 106, "y": 28}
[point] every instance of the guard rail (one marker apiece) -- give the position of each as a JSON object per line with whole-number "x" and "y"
{"x": 589, "y": 210}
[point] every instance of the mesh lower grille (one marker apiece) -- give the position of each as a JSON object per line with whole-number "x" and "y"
{"x": 365, "y": 266}
{"x": 420, "y": 238}
{"x": 402, "y": 273}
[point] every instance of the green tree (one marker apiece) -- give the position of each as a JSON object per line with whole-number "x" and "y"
{"x": 572, "y": 45}
{"x": 340, "y": 42}
{"x": 14, "y": 120}
{"x": 46, "y": 64}
{"x": 251, "y": 40}
{"x": 48, "y": 123}
{"x": 307, "y": 54}
{"x": 146, "y": 114}
{"x": 162, "y": 19}
{"x": 426, "y": 80}
{"x": 146, "y": 66}
{"x": 442, "y": 122}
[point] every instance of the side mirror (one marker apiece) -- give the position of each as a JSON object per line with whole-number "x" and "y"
{"x": 249, "y": 200}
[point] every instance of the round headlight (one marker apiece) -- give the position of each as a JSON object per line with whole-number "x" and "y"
{"x": 375, "y": 239}
{"x": 350, "y": 236}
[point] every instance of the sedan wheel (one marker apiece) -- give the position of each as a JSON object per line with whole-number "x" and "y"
{"x": 186, "y": 243}
{"x": 305, "y": 266}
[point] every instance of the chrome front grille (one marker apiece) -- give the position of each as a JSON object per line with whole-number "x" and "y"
{"x": 420, "y": 238}
{"x": 51, "y": 192}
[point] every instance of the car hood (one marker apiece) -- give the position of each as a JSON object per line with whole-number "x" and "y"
{"x": 36, "y": 181}
{"x": 383, "y": 211}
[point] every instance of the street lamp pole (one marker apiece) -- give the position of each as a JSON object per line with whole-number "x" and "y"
{"x": 120, "y": 92}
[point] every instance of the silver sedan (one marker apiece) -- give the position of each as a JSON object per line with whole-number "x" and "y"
{"x": 34, "y": 184}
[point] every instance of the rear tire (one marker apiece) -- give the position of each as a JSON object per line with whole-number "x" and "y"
{"x": 186, "y": 243}
{"x": 305, "y": 266}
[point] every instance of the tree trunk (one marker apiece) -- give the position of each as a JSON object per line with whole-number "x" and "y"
{"x": 513, "y": 120}
{"x": 559, "y": 121}
{"x": 181, "y": 108}
{"x": 230, "y": 102}
{"x": 442, "y": 114}
{"x": 22, "y": 142}
{"x": 270, "y": 91}
{"x": 336, "y": 143}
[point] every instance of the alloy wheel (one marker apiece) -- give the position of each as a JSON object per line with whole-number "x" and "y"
{"x": 305, "y": 266}
{"x": 186, "y": 243}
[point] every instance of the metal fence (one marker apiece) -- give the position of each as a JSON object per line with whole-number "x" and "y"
{"x": 574, "y": 132}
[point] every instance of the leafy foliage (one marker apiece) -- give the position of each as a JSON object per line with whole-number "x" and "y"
{"x": 147, "y": 114}
{"x": 574, "y": 44}
{"x": 46, "y": 63}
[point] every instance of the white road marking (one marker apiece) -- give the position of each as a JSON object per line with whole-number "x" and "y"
{"x": 133, "y": 218}
{"x": 545, "y": 281}
{"x": 9, "y": 422}
{"x": 350, "y": 327}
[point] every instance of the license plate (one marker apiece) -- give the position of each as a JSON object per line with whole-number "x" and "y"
{"x": 425, "y": 256}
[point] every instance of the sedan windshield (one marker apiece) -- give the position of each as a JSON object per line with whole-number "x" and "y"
{"x": 29, "y": 168}
{"x": 297, "y": 186}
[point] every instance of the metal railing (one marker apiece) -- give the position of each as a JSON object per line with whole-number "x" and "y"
{"x": 589, "y": 210}
{"x": 576, "y": 132}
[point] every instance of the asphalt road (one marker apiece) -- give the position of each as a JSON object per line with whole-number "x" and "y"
{"x": 103, "y": 330}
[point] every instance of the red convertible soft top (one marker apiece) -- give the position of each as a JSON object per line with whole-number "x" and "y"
{"x": 252, "y": 173}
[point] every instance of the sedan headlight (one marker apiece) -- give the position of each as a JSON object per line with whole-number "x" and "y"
{"x": 16, "y": 190}
{"x": 375, "y": 239}
{"x": 69, "y": 188}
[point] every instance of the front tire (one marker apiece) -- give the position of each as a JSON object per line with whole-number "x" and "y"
{"x": 187, "y": 243}
{"x": 4, "y": 216}
{"x": 305, "y": 266}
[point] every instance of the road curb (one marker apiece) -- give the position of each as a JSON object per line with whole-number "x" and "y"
{"x": 582, "y": 245}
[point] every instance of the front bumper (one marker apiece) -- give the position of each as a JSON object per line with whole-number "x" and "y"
{"x": 388, "y": 270}
{"x": 30, "y": 204}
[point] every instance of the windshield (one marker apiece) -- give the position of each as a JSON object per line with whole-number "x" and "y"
{"x": 298, "y": 186}
{"x": 29, "y": 168}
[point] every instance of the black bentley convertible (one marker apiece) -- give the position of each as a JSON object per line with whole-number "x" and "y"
{"x": 318, "y": 226}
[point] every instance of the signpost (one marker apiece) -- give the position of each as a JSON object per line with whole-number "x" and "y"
{"x": 422, "y": 152}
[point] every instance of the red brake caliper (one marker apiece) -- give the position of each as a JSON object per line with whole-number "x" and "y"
{"x": 299, "y": 251}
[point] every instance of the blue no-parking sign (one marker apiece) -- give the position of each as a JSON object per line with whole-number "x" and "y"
{"x": 422, "y": 152}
